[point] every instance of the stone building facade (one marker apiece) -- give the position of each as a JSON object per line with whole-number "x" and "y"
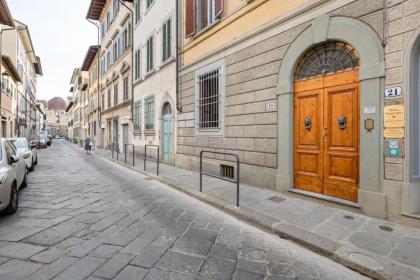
{"x": 115, "y": 58}
{"x": 260, "y": 77}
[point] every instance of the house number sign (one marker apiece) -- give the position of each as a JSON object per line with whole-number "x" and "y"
{"x": 393, "y": 92}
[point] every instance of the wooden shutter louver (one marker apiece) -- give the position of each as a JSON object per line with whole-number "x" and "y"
{"x": 219, "y": 7}
{"x": 189, "y": 18}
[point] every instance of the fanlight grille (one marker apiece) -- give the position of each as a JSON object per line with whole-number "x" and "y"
{"x": 327, "y": 58}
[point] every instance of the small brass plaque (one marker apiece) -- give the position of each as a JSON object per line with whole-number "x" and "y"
{"x": 396, "y": 133}
{"x": 394, "y": 116}
{"x": 369, "y": 124}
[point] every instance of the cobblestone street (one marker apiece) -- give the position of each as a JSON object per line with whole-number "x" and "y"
{"x": 82, "y": 217}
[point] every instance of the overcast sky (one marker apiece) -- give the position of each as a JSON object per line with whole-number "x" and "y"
{"x": 61, "y": 36}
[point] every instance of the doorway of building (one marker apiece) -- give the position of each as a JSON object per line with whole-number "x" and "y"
{"x": 167, "y": 132}
{"x": 125, "y": 135}
{"x": 326, "y": 122}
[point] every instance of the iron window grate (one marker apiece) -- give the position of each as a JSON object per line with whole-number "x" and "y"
{"x": 227, "y": 171}
{"x": 209, "y": 99}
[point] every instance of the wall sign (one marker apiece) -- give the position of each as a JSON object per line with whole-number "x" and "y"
{"x": 369, "y": 109}
{"x": 396, "y": 133}
{"x": 393, "y": 152}
{"x": 393, "y": 92}
{"x": 270, "y": 106}
{"x": 394, "y": 116}
{"x": 369, "y": 124}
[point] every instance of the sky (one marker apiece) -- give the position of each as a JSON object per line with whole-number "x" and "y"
{"x": 61, "y": 36}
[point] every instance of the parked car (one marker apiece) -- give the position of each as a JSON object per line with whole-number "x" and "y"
{"x": 57, "y": 137}
{"x": 29, "y": 153}
{"x": 39, "y": 142}
{"x": 49, "y": 140}
{"x": 12, "y": 176}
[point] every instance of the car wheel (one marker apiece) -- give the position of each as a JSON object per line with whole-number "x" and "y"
{"x": 14, "y": 201}
{"x": 32, "y": 168}
{"x": 25, "y": 181}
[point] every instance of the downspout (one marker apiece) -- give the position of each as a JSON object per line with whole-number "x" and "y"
{"x": 178, "y": 105}
{"x": 385, "y": 24}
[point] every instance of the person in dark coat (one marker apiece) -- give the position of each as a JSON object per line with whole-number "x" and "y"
{"x": 88, "y": 145}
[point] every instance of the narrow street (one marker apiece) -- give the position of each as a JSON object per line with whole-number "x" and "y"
{"x": 82, "y": 217}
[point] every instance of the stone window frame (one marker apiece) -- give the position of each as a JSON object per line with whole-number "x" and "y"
{"x": 222, "y": 93}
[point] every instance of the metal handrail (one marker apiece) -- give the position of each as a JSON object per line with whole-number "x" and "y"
{"x": 151, "y": 159}
{"x": 125, "y": 153}
{"x": 218, "y": 177}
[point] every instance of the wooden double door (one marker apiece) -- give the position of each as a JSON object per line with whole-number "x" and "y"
{"x": 326, "y": 135}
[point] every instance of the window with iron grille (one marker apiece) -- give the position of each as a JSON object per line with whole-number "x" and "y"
{"x": 137, "y": 116}
{"x": 149, "y": 54}
{"x": 166, "y": 39}
{"x": 227, "y": 171}
{"x": 125, "y": 91}
{"x": 115, "y": 94}
{"x": 149, "y": 113}
{"x": 209, "y": 99}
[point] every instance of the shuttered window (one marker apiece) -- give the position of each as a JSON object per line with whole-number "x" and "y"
{"x": 137, "y": 9}
{"x": 166, "y": 40}
{"x": 137, "y": 116}
{"x": 137, "y": 65}
{"x": 115, "y": 94}
{"x": 125, "y": 91}
{"x": 149, "y": 54}
{"x": 200, "y": 14}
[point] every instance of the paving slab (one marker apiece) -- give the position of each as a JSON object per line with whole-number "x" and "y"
{"x": 20, "y": 250}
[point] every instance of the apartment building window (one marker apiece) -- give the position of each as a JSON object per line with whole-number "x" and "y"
{"x": 116, "y": 7}
{"x": 115, "y": 51}
{"x": 109, "y": 98}
{"x": 103, "y": 101}
{"x": 149, "y": 3}
{"x": 200, "y": 14}
{"x": 137, "y": 116}
{"x": 115, "y": 94}
{"x": 149, "y": 113}
{"x": 126, "y": 37}
{"x": 209, "y": 96}
{"x": 166, "y": 40}
{"x": 137, "y": 65}
{"x": 108, "y": 60}
{"x": 137, "y": 9}
{"x": 125, "y": 90}
{"x": 149, "y": 54}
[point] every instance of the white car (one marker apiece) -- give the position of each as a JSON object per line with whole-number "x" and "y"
{"x": 12, "y": 176}
{"x": 28, "y": 152}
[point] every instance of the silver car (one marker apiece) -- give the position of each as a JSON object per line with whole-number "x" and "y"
{"x": 29, "y": 153}
{"x": 12, "y": 176}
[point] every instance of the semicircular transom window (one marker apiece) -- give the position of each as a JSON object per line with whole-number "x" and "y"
{"x": 327, "y": 58}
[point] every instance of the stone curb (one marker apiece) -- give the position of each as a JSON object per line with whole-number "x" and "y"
{"x": 306, "y": 239}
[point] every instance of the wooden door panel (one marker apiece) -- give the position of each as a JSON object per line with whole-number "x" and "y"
{"x": 308, "y": 143}
{"x": 342, "y": 101}
{"x": 341, "y": 156}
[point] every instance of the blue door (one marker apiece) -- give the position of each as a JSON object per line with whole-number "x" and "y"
{"x": 167, "y": 138}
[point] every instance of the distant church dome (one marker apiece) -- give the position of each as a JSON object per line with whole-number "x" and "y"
{"x": 57, "y": 104}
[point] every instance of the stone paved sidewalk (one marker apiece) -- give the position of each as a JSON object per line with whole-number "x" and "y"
{"x": 374, "y": 247}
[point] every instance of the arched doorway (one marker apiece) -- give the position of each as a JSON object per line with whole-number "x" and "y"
{"x": 167, "y": 132}
{"x": 326, "y": 121}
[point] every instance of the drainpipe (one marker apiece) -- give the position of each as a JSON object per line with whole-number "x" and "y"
{"x": 385, "y": 24}
{"x": 178, "y": 105}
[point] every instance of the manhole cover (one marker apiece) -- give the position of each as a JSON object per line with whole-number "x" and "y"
{"x": 348, "y": 217}
{"x": 386, "y": 228}
{"x": 276, "y": 199}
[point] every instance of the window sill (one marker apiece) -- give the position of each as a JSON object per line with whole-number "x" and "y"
{"x": 148, "y": 74}
{"x": 149, "y": 132}
{"x": 207, "y": 28}
{"x": 169, "y": 60}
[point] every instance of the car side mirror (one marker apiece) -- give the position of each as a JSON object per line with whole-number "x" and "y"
{"x": 13, "y": 159}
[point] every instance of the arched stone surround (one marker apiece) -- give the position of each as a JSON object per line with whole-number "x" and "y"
{"x": 372, "y": 72}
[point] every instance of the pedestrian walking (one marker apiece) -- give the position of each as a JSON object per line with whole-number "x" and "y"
{"x": 88, "y": 145}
